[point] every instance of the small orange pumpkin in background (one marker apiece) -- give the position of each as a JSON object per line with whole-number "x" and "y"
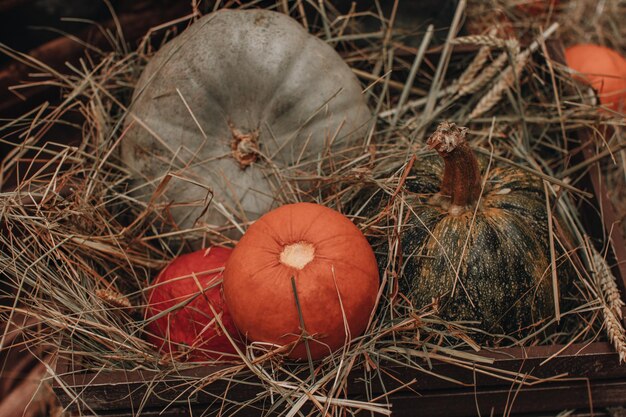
{"x": 190, "y": 286}
{"x": 604, "y": 69}
{"x": 316, "y": 253}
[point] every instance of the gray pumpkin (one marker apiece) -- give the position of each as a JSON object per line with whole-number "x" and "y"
{"x": 260, "y": 89}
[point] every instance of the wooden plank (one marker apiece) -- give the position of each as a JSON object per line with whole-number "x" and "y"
{"x": 612, "y": 222}
{"x": 552, "y": 399}
{"x": 594, "y": 361}
{"x": 581, "y": 395}
{"x": 130, "y": 389}
{"x": 610, "y": 219}
{"x": 607, "y": 219}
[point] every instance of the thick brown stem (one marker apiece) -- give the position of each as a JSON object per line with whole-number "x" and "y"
{"x": 461, "y": 176}
{"x": 244, "y": 146}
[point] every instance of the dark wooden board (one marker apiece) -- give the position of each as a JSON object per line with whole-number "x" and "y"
{"x": 549, "y": 399}
{"x": 581, "y": 368}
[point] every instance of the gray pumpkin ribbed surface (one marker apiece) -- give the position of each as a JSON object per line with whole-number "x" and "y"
{"x": 259, "y": 88}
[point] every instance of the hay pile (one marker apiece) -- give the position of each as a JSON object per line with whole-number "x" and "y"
{"x": 78, "y": 251}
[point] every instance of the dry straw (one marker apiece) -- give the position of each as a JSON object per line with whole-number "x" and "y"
{"x": 79, "y": 251}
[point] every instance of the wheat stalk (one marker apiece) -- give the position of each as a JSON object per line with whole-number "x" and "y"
{"x": 487, "y": 75}
{"x": 605, "y": 280}
{"x": 468, "y": 82}
{"x": 616, "y": 333}
{"x": 113, "y": 298}
{"x": 609, "y": 296}
{"x": 506, "y": 81}
{"x": 486, "y": 40}
{"x": 472, "y": 69}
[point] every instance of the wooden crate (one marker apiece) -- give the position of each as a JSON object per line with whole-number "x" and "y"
{"x": 587, "y": 378}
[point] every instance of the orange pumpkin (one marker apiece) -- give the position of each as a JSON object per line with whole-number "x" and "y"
{"x": 190, "y": 286}
{"x": 604, "y": 69}
{"x": 315, "y": 253}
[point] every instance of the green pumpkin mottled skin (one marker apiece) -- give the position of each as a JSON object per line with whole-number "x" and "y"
{"x": 502, "y": 254}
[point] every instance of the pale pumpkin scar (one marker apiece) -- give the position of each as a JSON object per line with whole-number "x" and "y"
{"x": 297, "y": 255}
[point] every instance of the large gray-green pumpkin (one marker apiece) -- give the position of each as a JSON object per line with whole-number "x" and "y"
{"x": 234, "y": 91}
{"x": 484, "y": 257}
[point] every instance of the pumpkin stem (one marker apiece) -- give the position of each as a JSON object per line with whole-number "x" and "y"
{"x": 461, "y": 183}
{"x": 244, "y": 146}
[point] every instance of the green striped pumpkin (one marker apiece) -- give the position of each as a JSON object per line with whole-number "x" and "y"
{"x": 482, "y": 255}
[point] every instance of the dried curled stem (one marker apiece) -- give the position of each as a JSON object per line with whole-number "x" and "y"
{"x": 460, "y": 186}
{"x": 244, "y": 146}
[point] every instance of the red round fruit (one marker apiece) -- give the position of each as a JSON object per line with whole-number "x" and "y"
{"x": 329, "y": 261}
{"x": 191, "y": 284}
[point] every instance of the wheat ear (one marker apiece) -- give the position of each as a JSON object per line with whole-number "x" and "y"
{"x": 493, "y": 96}
{"x": 114, "y": 298}
{"x": 615, "y": 331}
{"x": 472, "y": 69}
{"x": 607, "y": 283}
{"x": 609, "y": 296}
{"x": 485, "y": 76}
{"x": 506, "y": 81}
{"x": 485, "y": 40}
